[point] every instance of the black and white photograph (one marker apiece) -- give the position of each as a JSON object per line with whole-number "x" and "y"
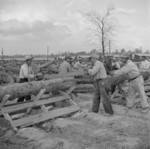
{"x": 74, "y": 74}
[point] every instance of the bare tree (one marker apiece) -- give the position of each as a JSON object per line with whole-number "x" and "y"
{"x": 101, "y": 27}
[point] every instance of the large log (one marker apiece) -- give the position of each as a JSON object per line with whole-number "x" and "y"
{"x": 46, "y": 64}
{"x": 31, "y": 88}
{"x": 36, "y": 68}
{"x": 114, "y": 80}
{"x": 70, "y": 74}
{"x": 110, "y": 80}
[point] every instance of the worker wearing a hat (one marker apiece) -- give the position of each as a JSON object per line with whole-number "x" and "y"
{"x": 78, "y": 65}
{"x": 98, "y": 73}
{"x": 136, "y": 83}
{"x": 26, "y": 73}
{"x": 65, "y": 66}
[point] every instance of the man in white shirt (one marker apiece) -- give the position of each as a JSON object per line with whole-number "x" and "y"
{"x": 136, "y": 83}
{"x": 98, "y": 72}
{"x": 145, "y": 64}
{"x": 26, "y": 74}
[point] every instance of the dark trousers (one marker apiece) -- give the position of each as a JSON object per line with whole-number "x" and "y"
{"x": 28, "y": 97}
{"x": 99, "y": 92}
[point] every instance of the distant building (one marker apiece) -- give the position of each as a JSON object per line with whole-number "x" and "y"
{"x": 137, "y": 57}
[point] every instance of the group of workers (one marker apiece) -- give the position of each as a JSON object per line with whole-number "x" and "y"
{"x": 98, "y": 72}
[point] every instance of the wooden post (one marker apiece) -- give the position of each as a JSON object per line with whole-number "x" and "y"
{"x": 2, "y": 57}
{"x": 4, "y": 100}
{"x": 47, "y": 53}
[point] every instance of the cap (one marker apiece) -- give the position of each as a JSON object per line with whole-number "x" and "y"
{"x": 28, "y": 57}
{"x": 94, "y": 56}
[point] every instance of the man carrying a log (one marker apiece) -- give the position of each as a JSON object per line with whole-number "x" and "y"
{"x": 136, "y": 83}
{"x": 65, "y": 66}
{"x": 26, "y": 74}
{"x": 98, "y": 73}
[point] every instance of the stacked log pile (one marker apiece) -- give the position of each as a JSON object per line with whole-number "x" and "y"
{"x": 84, "y": 83}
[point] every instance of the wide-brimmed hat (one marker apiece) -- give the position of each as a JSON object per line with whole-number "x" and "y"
{"x": 96, "y": 56}
{"x": 28, "y": 57}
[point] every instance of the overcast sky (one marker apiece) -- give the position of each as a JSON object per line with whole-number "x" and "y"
{"x": 29, "y": 26}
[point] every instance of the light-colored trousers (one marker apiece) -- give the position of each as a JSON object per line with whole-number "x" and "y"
{"x": 136, "y": 86}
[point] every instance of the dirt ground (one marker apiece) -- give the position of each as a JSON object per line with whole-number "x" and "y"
{"x": 123, "y": 130}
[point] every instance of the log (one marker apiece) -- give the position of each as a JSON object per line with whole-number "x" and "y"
{"x": 82, "y": 88}
{"x": 46, "y": 64}
{"x": 86, "y": 79}
{"x": 11, "y": 69}
{"x": 110, "y": 80}
{"x": 114, "y": 80}
{"x": 5, "y": 78}
{"x": 37, "y": 68}
{"x": 52, "y": 69}
{"x": 32, "y": 88}
{"x": 70, "y": 74}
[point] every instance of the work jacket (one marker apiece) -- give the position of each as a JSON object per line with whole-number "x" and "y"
{"x": 65, "y": 67}
{"x": 98, "y": 71}
{"x": 129, "y": 68}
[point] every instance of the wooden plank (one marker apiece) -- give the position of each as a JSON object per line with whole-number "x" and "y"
{"x": 32, "y": 104}
{"x": 45, "y": 116}
{"x": 7, "y": 117}
{"x": 44, "y": 96}
{"x": 70, "y": 89}
{"x": 38, "y": 96}
{"x": 4, "y": 100}
{"x": 68, "y": 92}
{"x": 35, "y": 99}
{"x": 44, "y": 108}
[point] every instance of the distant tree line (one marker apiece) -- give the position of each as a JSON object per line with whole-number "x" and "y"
{"x": 93, "y": 51}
